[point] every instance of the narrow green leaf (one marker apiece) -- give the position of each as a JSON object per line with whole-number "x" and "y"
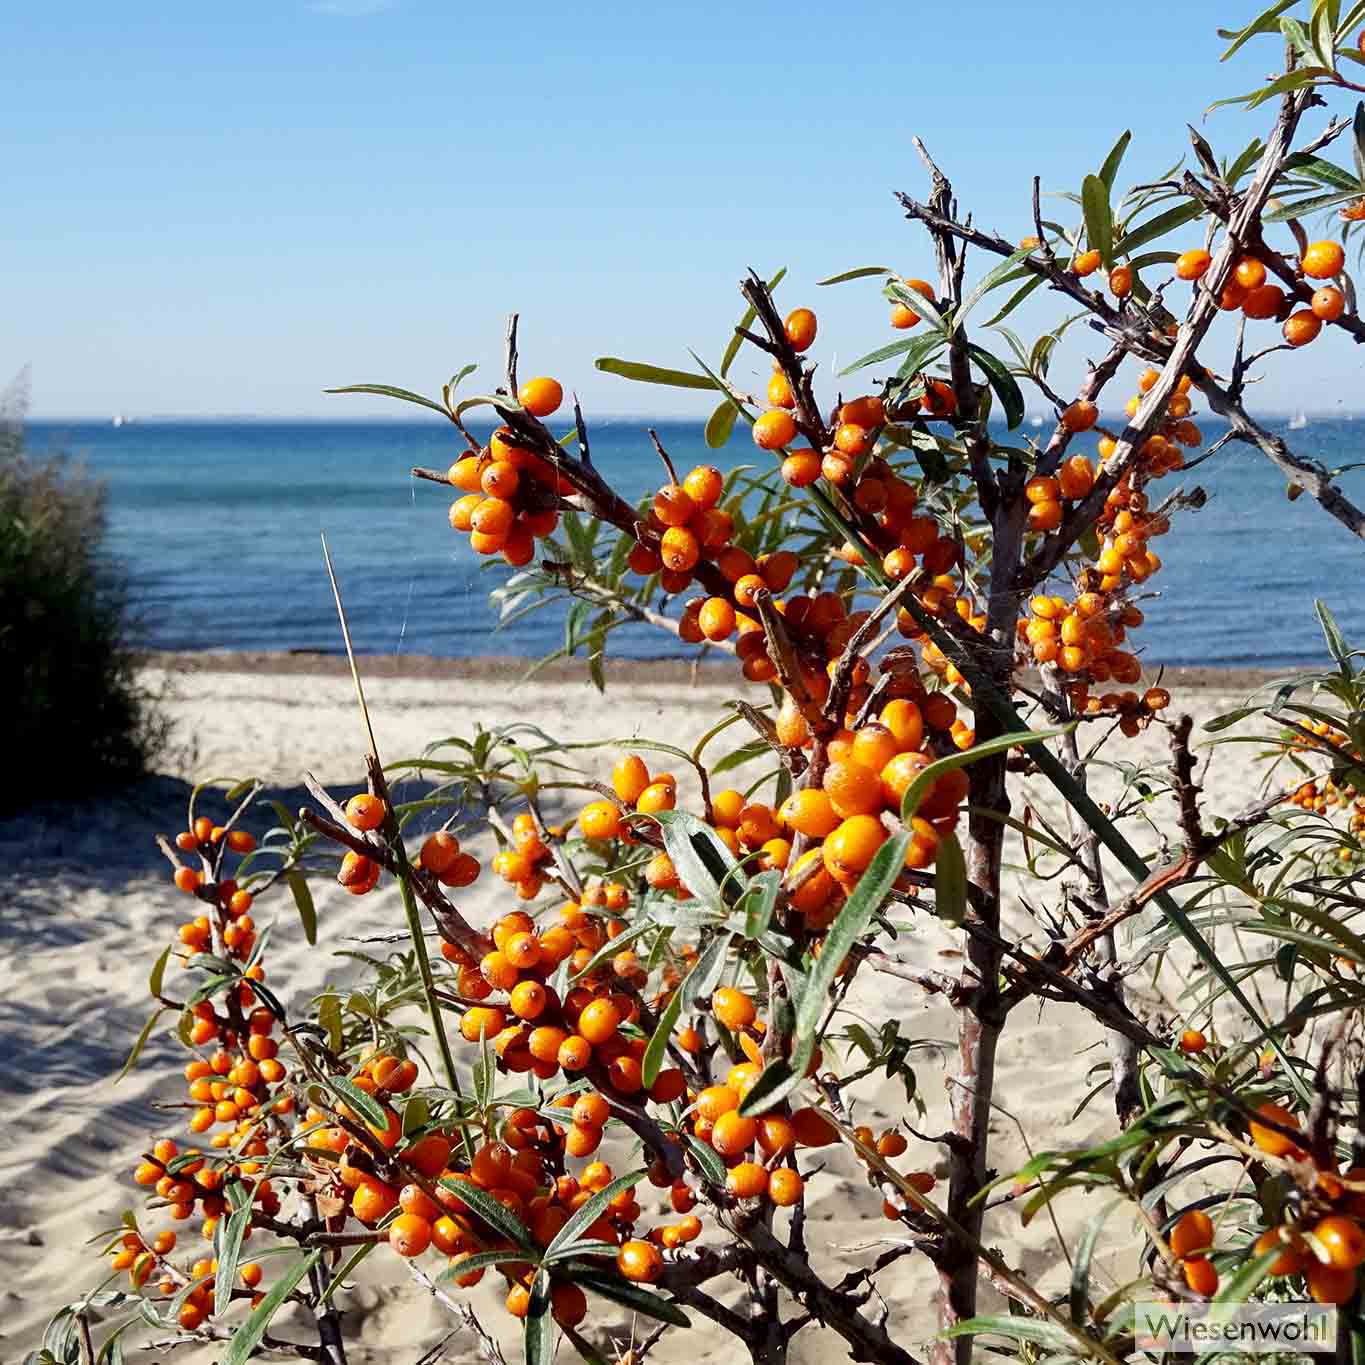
{"x": 1266, "y": 22}
{"x": 496, "y": 1215}
{"x": 1080, "y": 1265}
{"x": 759, "y": 902}
{"x": 389, "y": 391}
{"x": 159, "y": 972}
{"x": 1358, "y": 145}
{"x": 926, "y": 777}
{"x": 704, "y": 865}
{"x": 248, "y": 1336}
{"x": 366, "y": 1106}
{"x": 918, "y": 350}
{"x": 539, "y": 1328}
{"x": 747, "y": 321}
{"x": 1109, "y": 171}
{"x": 140, "y": 1043}
{"x": 1099, "y": 217}
{"x": 1336, "y": 641}
{"x": 950, "y": 881}
{"x": 627, "y": 1294}
{"x": 721, "y": 423}
{"x": 657, "y": 1048}
{"x": 591, "y": 1211}
{"x": 1015, "y": 300}
{"x": 780, "y": 1077}
{"x": 991, "y": 280}
{"x": 1157, "y": 227}
{"x": 916, "y": 303}
{"x": 235, "y": 1230}
{"x": 1002, "y": 383}
{"x": 340, "y": 1275}
{"x": 303, "y": 898}
{"x": 653, "y": 374}
{"x": 861, "y": 273}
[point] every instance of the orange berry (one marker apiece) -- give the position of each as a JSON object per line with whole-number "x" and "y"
{"x": 1192, "y": 264}
{"x": 801, "y": 468}
{"x": 1342, "y": 1239}
{"x": 1269, "y": 1141}
{"x": 800, "y": 328}
{"x": 439, "y": 852}
{"x": 1263, "y": 302}
{"x": 600, "y": 820}
{"x": 733, "y": 1008}
{"x": 1249, "y": 273}
{"x": 1323, "y": 260}
{"x": 673, "y": 505}
{"x": 1192, "y": 1233}
{"x": 1086, "y": 263}
{"x": 1192, "y": 1041}
{"x": 679, "y": 549}
{"x": 1302, "y": 326}
{"x": 785, "y": 1187}
{"x": 640, "y": 1262}
{"x": 598, "y": 1021}
{"x": 1329, "y": 303}
{"x": 540, "y": 397}
{"x": 1329, "y": 1283}
{"x": 774, "y": 429}
{"x": 747, "y": 1180}
{"x": 1201, "y": 1275}
{"x": 409, "y": 1234}
{"x": 715, "y": 1101}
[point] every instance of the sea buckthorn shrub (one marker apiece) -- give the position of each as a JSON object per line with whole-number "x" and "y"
{"x": 617, "y": 1092}
{"x": 77, "y": 719}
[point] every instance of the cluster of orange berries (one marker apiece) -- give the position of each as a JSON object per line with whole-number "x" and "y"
{"x": 1326, "y": 1247}
{"x": 1082, "y": 635}
{"x": 533, "y": 1030}
{"x": 182, "y": 1182}
{"x": 148, "y": 1261}
{"x": 511, "y": 492}
{"x": 1249, "y": 290}
{"x": 689, "y": 525}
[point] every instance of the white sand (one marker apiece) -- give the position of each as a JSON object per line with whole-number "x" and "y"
{"x": 86, "y": 905}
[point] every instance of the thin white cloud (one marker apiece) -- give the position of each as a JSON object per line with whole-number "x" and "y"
{"x": 350, "y": 9}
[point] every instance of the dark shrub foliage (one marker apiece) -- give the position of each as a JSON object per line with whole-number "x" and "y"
{"x": 75, "y": 719}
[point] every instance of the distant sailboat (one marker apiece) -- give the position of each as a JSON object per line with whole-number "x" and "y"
{"x": 119, "y": 420}
{"x": 1037, "y": 421}
{"x": 1298, "y": 421}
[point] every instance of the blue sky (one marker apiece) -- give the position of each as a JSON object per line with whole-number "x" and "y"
{"x": 225, "y": 209}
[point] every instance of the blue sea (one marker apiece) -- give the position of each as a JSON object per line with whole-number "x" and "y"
{"x": 218, "y": 522}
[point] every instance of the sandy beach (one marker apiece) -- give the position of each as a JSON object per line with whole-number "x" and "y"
{"x": 86, "y": 904}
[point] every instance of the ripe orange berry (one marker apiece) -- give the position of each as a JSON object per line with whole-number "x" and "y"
{"x": 801, "y": 468}
{"x": 1302, "y": 326}
{"x": 540, "y": 397}
{"x": 639, "y": 1261}
{"x": 1192, "y": 264}
{"x": 1329, "y": 1283}
{"x": 715, "y": 1101}
{"x": 852, "y": 439}
{"x": 600, "y": 820}
{"x": 1249, "y": 273}
{"x": 716, "y": 618}
{"x": 800, "y": 328}
{"x": 785, "y": 1187}
{"x": 1329, "y": 303}
{"x": 1080, "y": 415}
{"x": 598, "y": 1021}
{"x": 372, "y": 1199}
{"x": 1323, "y": 260}
{"x": 1269, "y": 1141}
{"x": 1192, "y": 1233}
{"x": 1263, "y": 302}
{"x": 747, "y": 1180}
{"x": 409, "y": 1234}
{"x": 704, "y": 485}
{"x": 679, "y": 549}
{"x": 1121, "y": 281}
{"x": 439, "y": 852}
{"x": 1192, "y": 1041}
{"x": 574, "y": 1053}
{"x": 1201, "y": 1275}
{"x": 1086, "y": 263}
{"x": 733, "y": 1008}
{"x": 1342, "y": 1239}
{"x": 774, "y": 429}
{"x": 850, "y": 847}
{"x": 187, "y": 879}
{"x": 673, "y": 505}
